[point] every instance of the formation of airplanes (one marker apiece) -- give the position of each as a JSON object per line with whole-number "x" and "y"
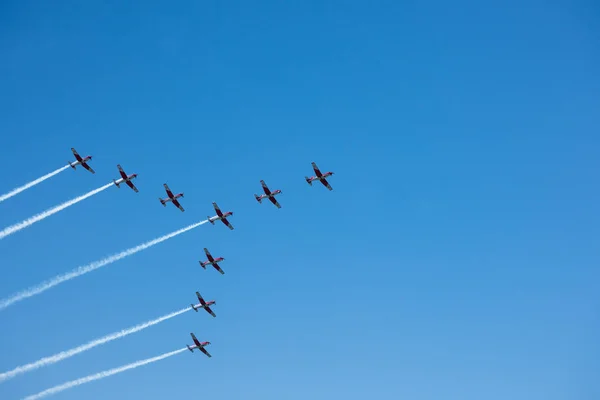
{"x": 173, "y": 198}
{"x": 220, "y": 216}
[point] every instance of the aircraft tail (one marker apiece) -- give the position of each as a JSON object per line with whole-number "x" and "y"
{"x": 210, "y": 220}
{"x": 194, "y": 308}
{"x": 202, "y": 264}
{"x": 72, "y": 166}
{"x": 189, "y": 348}
{"x": 308, "y": 180}
{"x": 258, "y": 198}
{"x": 162, "y": 202}
{"x": 116, "y": 184}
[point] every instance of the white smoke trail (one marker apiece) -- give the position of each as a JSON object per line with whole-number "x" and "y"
{"x": 30, "y": 221}
{"x": 90, "y": 267}
{"x": 26, "y": 186}
{"x": 101, "y": 375}
{"x": 80, "y": 349}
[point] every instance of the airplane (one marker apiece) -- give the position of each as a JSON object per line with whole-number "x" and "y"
{"x": 268, "y": 194}
{"x": 126, "y": 179}
{"x": 320, "y": 176}
{"x": 204, "y": 304}
{"x": 172, "y": 197}
{"x": 220, "y": 216}
{"x": 198, "y": 345}
{"x": 213, "y": 261}
{"x": 81, "y": 161}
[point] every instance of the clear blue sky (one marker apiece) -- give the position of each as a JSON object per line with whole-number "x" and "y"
{"x": 457, "y": 256}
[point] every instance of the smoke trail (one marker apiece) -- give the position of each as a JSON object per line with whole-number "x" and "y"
{"x": 26, "y": 186}
{"x": 80, "y": 349}
{"x": 30, "y": 221}
{"x": 101, "y": 375}
{"x": 91, "y": 267}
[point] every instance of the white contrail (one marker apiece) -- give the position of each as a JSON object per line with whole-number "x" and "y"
{"x": 26, "y": 186}
{"x": 101, "y": 375}
{"x": 80, "y": 349}
{"x": 30, "y": 221}
{"x": 90, "y": 267}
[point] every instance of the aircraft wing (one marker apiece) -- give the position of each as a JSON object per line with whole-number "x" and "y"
{"x": 265, "y": 187}
{"x": 275, "y": 202}
{"x": 169, "y": 192}
{"x": 176, "y": 203}
{"x": 208, "y": 255}
{"x": 131, "y": 185}
{"x": 227, "y": 223}
{"x": 123, "y": 174}
{"x": 217, "y": 209}
{"x": 200, "y": 299}
{"x": 77, "y": 156}
{"x": 218, "y": 268}
{"x": 86, "y": 166}
{"x": 326, "y": 184}
{"x": 317, "y": 171}
{"x": 210, "y": 311}
{"x": 195, "y": 339}
{"x": 202, "y": 349}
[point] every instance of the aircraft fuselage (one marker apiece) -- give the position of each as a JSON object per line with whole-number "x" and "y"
{"x": 217, "y": 218}
{"x": 208, "y": 304}
{"x": 266, "y": 196}
{"x": 213, "y": 263}
{"x": 77, "y": 162}
{"x": 124, "y": 180}
{"x": 325, "y": 175}
{"x": 168, "y": 199}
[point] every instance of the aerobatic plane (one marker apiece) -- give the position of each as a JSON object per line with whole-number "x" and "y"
{"x": 212, "y": 261}
{"x": 198, "y": 345}
{"x": 220, "y": 216}
{"x": 268, "y": 194}
{"x": 81, "y": 161}
{"x": 204, "y": 304}
{"x": 172, "y": 198}
{"x": 320, "y": 176}
{"x": 126, "y": 179}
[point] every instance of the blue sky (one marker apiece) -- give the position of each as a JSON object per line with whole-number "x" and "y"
{"x": 457, "y": 256}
